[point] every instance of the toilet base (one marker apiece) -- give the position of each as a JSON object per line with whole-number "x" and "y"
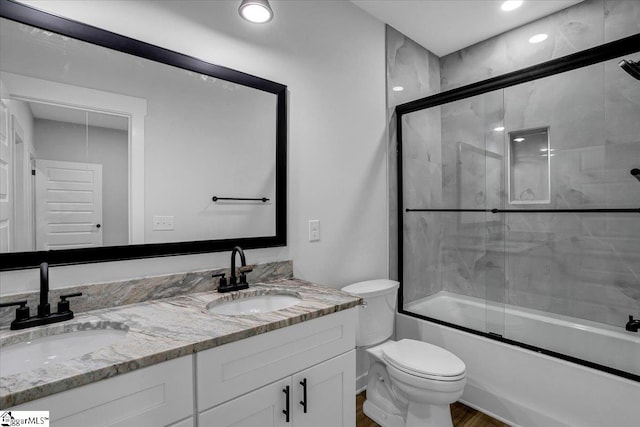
{"x": 417, "y": 416}
{"x": 381, "y": 417}
{"x": 421, "y": 415}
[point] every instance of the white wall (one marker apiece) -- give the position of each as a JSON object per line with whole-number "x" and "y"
{"x": 331, "y": 57}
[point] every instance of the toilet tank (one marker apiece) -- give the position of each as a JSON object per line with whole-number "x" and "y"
{"x": 376, "y": 317}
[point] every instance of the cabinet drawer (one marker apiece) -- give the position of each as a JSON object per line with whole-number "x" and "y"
{"x": 231, "y": 370}
{"x": 154, "y": 396}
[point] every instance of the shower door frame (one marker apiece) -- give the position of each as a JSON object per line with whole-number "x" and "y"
{"x": 570, "y": 62}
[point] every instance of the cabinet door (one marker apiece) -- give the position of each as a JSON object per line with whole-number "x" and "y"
{"x": 330, "y": 393}
{"x": 260, "y": 408}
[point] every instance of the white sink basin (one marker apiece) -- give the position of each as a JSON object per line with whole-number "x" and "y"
{"x": 37, "y": 352}
{"x": 255, "y": 304}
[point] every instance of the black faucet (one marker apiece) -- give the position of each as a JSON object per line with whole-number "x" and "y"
{"x": 633, "y": 325}
{"x": 44, "y": 317}
{"x": 44, "y": 308}
{"x": 235, "y": 283}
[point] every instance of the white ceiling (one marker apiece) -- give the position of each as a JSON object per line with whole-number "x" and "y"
{"x": 445, "y": 26}
{"x": 76, "y": 116}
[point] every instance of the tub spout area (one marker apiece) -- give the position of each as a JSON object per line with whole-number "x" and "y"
{"x": 633, "y": 325}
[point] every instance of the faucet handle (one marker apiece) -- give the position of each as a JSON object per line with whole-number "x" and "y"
{"x": 246, "y": 268}
{"x": 22, "y": 312}
{"x": 10, "y": 304}
{"x": 243, "y": 273}
{"x": 223, "y": 280}
{"x": 63, "y": 305}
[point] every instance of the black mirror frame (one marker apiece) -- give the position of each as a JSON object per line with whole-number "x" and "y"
{"x": 77, "y": 30}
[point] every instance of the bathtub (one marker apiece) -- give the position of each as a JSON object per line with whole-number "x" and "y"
{"x": 526, "y": 388}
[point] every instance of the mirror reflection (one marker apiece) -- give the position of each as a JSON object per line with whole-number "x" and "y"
{"x": 126, "y": 150}
{"x": 79, "y": 192}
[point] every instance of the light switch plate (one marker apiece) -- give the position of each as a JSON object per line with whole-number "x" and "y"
{"x": 162, "y": 223}
{"x": 314, "y": 230}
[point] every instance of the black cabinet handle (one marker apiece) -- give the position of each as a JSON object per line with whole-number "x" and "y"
{"x": 98, "y": 226}
{"x": 286, "y": 411}
{"x": 303, "y": 402}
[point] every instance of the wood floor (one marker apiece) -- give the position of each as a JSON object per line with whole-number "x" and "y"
{"x": 462, "y": 416}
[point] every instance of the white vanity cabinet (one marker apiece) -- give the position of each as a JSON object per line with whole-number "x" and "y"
{"x": 241, "y": 383}
{"x": 159, "y": 395}
{"x": 244, "y": 383}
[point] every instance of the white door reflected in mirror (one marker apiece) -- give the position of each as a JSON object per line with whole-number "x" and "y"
{"x": 68, "y": 200}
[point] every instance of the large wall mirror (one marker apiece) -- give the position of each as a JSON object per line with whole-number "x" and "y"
{"x": 111, "y": 148}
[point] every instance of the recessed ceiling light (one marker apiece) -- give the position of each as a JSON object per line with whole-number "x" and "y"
{"x": 538, "y": 38}
{"x": 397, "y": 89}
{"x": 256, "y": 11}
{"x": 518, "y": 139}
{"x": 510, "y": 5}
{"x": 547, "y": 149}
{"x": 499, "y": 129}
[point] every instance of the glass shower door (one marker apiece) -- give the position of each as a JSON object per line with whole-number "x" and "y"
{"x": 453, "y": 165}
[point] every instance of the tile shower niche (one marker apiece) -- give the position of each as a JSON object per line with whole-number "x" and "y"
{"x": 529, "y": 166}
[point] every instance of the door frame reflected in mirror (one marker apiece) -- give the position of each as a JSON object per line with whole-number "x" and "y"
{"x": 30, "y": 89}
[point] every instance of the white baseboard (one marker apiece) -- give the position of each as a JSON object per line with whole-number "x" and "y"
{"x": 361, "y": 383}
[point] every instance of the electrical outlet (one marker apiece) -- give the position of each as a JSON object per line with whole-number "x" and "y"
{"x": 163, "y": 223}
{"x": 314, "y": 230}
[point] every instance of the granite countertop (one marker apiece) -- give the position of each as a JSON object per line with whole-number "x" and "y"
{"x": 161, "y": 330}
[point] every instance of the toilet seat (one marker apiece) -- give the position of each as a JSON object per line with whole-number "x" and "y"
{"x": 424, "y": 360}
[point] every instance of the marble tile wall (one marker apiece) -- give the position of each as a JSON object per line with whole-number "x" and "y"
{"x": 581, "y": 265}
{"x": 418, "y": 72}
{"x": 582, "y": 26}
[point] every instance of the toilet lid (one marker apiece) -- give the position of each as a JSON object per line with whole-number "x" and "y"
{"x": 423, "y": 359}
{"x": 372, "y": 288}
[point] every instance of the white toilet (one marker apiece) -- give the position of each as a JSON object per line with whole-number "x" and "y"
{"x": 410, "y": 383}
